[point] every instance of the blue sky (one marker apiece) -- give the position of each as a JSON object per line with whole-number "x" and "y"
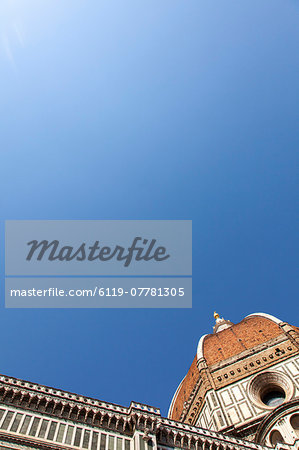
{"x": 151, "y": 110}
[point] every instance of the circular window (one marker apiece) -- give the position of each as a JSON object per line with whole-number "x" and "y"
{"x": 270, "y": 389}
{"x": 273, "y": 397}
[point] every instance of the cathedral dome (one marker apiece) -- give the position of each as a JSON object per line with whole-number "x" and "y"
{"x": 228, "y": 342}
{"x": 254, "y": 330}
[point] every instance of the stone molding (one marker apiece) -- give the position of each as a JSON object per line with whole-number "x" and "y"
{"x": 269, "y": 421}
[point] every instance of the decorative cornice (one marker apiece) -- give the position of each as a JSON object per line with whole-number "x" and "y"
{"x": 58, "y": 394}
{"x": 65, "y": 406}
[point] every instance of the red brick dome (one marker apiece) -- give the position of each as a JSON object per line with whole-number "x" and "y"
{"x": 228, "y": 340}
{"x": 250, "y": 332}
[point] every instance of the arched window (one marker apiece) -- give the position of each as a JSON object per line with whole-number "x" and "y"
{"x": 275, "y": 437}
{"x": 295, "y": 423}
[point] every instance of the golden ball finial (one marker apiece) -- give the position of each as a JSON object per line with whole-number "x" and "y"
{"x": 216, "y": 315}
